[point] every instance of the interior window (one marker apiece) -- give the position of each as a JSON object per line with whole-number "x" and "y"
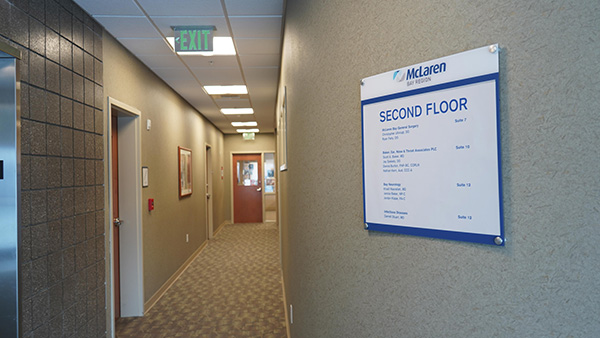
{"x": 247, "y": 173}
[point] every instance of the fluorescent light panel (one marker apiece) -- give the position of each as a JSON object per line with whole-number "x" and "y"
{"x": 244, "y": 124}
{"x": 237, "y": 111}
{"x": 221, "y": 90}
{"x": 247, "y": 130}
{"x": 222, "y": 45}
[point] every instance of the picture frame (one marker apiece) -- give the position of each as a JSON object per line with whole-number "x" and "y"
{"x": 185, "y": 171}
{"x": 144, "y": 177}
{"x": 283, "y": 130}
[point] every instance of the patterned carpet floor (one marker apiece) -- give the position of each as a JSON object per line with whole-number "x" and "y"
{"x": 232, "y": 289}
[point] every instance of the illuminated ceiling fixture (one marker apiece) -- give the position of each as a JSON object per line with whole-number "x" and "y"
{"x": 222, "y": 45}
{"x": 237, "y": 111}
{"x": 244, "y": 124}
{"x": 247, "y": 130}
{"x": 222, "y": 90}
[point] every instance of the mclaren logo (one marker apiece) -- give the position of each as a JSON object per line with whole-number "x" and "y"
{"x": 399, "y": 76}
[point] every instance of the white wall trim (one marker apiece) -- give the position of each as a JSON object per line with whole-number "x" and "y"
{"x": 130, "y": 206}
{"x": 208, "y": 202}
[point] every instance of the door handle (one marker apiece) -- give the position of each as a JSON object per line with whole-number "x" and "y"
{"x": 117, "y": 222}
{"x": 259, "y": 189}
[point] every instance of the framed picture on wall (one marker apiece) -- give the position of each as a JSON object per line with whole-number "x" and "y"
{"x": 283, "y": 131}
{"x": 185, "y": 171}
{"x": 144, "y": 177}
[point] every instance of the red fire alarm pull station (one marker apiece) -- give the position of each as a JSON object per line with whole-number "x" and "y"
{"x": 150, "y": 204}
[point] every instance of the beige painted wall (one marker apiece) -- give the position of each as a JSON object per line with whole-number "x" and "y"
{"x": 174, "y": 123}
{"x": 346, "y": 282}
{"x": 235, "y": 143}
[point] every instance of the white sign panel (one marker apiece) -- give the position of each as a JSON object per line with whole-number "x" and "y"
{"x": 431, "y": 157}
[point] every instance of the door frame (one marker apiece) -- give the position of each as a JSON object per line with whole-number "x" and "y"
{"x": 130, "y": 205}
{"x": 262, "y": 194}
{"x": 209, "y": 188}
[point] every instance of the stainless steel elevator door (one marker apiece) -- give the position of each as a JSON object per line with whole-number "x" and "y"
{"x": 9, "y": 197}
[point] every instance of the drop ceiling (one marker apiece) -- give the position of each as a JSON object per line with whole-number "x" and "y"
{"x": 255, "y": 26}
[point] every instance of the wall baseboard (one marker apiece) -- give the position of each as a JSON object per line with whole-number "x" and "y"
{"x": 220, "y": 227}
{"x": 167, "y": 285}
{"x": 285, "y": 307}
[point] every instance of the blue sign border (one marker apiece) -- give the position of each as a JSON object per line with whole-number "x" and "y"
{"x": 433, "y": 233}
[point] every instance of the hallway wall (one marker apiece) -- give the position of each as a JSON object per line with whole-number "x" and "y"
{"x": 235, "y": 143}
{"x": 346, "y": 282}
{"x": 62, "y": 268}
{"x": 174, "y": 123}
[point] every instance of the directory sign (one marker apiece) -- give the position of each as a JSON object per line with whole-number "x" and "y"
{"x": 431, "y": 154}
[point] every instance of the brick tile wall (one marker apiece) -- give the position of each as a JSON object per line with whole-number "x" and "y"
{"x": 63, "y": 256}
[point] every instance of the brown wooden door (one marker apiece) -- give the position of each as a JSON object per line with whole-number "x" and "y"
{"x": 247, "y": 188}
{"x": 115, "y": 222}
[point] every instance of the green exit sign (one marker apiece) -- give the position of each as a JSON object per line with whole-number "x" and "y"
{"x": 193, "y": 38}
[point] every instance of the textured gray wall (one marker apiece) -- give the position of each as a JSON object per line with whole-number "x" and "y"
{"x": 346, "y": 282}
{"x": 62, "y": 242}
{"x": 174, "y": 123}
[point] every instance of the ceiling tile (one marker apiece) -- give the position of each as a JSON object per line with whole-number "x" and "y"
{"x": 265, "y": 113}
{"x": 201, "y": 100}
{"x": 171, "y": 72}
{"x": 261, "y": 94}
{"x": 130, "y": 27}
{"x": 262, "y": 61}
{"x": 218, "y": 119}
{"x": 198, "y": 61}
{"x": 182, "y": 7}
{"x": 255, "y": 7}
{"x": 109, "y": 7}
{"x": 165, "y": 23}
{"x": 194, "y": 95}
{"x": 233, "y": 103}
{"x": 256, "y": 27}
{"x": 261, "y": 76}
{"x": 218, "y": 75}
{"x": 156, "y": 46}
{"x": 248, "y": 46}
{"x": 265, "y": 103}
{"x": 240, "y": 118}
{"x": 183, "y": 85}
{"x": 157, "y": 61}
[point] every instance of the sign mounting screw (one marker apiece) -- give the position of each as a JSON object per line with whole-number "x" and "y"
{"x": 366, "y": 226}
{"x": 498, "y": 240}
{"x": 493, "y": 49}
{"x": 362, "y": 82}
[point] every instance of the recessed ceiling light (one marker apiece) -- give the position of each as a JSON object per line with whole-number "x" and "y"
{"x": 244, "y": 124}
{"x": 222, "y": 45}
{"x": 247, "y": 130}
{"x": 237, "y": 111}
{"x": 221, "y": 90}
